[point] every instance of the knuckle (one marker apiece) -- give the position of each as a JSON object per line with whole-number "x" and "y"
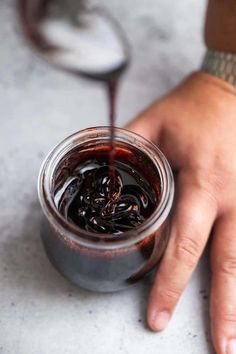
{"x": 228, "y": 267}
{"x": 229, "y": 318}
{"x": 208, "y": 183}
{"x": 207, "y": 187}
{"x": 171, "y": 294}
{"x": 188, "y": 250}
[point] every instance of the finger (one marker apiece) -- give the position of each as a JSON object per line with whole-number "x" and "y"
{"x": 191, "y": 226}
{"x": 223, "y": 296}
{"x": 147, "y": 123}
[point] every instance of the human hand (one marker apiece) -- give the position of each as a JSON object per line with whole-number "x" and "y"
{"x": 195, "y": 127}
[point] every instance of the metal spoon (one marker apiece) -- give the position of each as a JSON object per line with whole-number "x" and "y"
{"x": 76, "y": 37}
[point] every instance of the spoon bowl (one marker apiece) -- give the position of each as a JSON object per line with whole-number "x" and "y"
{"x": 75, "y": 36}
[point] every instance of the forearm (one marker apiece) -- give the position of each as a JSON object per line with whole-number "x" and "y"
{"x": 220, "y": 27}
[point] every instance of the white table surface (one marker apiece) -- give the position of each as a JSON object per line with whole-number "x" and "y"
{"x": 41, "y": 312}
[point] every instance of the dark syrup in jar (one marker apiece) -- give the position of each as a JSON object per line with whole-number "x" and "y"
{"x": 82, "y": 195}
{"x": 87, "y": 200}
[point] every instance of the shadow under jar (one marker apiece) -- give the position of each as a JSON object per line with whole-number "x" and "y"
{"x": 133, "y": 242}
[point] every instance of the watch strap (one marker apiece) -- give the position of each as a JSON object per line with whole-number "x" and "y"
{"x": 220, "y": 64}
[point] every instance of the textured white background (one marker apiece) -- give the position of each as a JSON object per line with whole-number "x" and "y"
{"x": 40, "y": 312}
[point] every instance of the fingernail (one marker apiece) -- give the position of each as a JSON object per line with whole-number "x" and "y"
{"x": 161, "y": 321}
{"x": 231, "y": 347}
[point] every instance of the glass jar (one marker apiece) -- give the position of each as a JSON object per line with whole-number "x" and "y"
{"x": 95, "y": 261}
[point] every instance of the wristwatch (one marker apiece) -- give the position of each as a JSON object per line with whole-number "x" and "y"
{"x": 220, "y": 64}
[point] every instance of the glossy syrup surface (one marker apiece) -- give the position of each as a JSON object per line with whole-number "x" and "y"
{"x": 86, "y": 198}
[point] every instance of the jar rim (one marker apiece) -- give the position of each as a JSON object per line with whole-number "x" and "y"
{"x": 104, "y": 241}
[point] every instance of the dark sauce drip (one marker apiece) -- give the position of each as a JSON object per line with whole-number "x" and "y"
{"x": 85, "y": 197}
{"x": 100, "y": 196}
{"x": 111, "y": 90}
